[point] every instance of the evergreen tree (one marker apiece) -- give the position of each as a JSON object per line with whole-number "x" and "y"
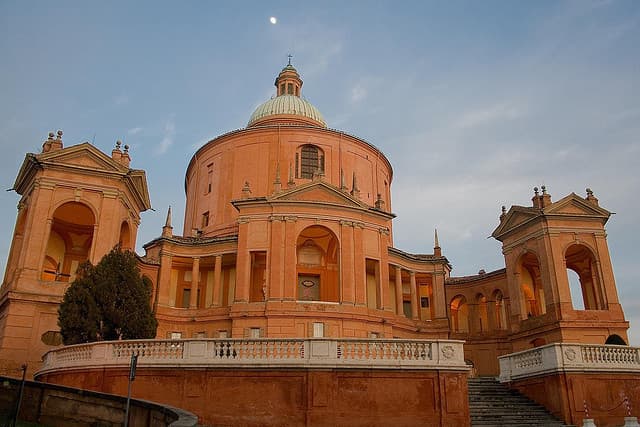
{"x": 109, "y": 301}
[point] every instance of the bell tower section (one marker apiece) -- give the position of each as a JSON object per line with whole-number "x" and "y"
{"x": 559, "y": 273}
{"x": 76, "y": 204}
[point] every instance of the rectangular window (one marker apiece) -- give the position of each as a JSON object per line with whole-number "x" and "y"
{"x": 200, "y": 334}
{"x": 406, "y": 308}
{"x": 205, "y": 219}
{"x": 290, "y": 88}
{"x": 424, "y": 302}
{"x": 318, "y": 329}
{"x": 186, "y": 297}
{"x": 209, "y": 180}
{"x": 175, "y": 335}
{"x": 374, "y": 335}
{"x": 254, "y": 333}
{"x": 223, "y": 334}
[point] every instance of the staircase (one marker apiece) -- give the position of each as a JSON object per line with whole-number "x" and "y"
{"x": 492, "y": 404}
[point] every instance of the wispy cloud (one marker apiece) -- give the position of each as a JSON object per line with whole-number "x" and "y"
{"x": 134, "y": 131}
{"x": 121, "y": 99}
{"x": 167, "y": 139}
{"x": 495, "y": 113}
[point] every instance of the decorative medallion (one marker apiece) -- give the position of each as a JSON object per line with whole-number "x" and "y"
{"x": 570, "y": 354}
{"x": 448, "y": 351}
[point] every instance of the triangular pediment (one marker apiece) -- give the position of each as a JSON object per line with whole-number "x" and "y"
{"x": 574, "y": 205}
{"x": 84, "y": 156}
{"x": 321, "y": 192}
{"x": 516, "y": 216}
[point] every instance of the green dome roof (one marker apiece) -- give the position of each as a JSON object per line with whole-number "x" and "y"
{"x": 287, "y": 105}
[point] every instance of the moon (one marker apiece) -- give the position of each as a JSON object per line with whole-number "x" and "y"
{"x": 273, "y": 20}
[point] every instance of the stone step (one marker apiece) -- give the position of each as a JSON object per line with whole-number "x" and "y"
{"x": 493, "y": 404}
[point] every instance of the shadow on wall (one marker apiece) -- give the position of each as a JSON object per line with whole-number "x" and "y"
{"x": 59, "y": 406}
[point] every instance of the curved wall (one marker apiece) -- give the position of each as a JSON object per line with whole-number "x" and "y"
{"x": 219, "y": 170}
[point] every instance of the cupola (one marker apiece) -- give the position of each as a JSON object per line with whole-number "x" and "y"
{"x": 288, "y": 107}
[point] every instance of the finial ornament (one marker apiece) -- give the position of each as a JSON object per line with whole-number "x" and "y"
{"x": 544, "y": 190}
{"x": 289, "y": 56}
{"x": 589, "y": 192}
{"x": 51, "y": 135}
{"x": 118, "y": 144}
{"x": 59, "y": 134}
{"x": 535, "y": 190}
{"x": 168, "y": 221}
{"x": 504, "y": 210}
{"x": 126, "y": 148}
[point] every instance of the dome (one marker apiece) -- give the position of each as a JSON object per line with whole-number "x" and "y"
{"x": 287, "y": 106}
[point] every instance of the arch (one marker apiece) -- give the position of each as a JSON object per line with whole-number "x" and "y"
{"x": 532, "y": 292}
{"x": 500, "y": 309}
{"x": 309, "y": 161}
{"x": 615, "y": 340}
{"x": 482, "y": 313}
{"x": 125, "y": 236}
{"x": 580, "y": 259}
{"x": 459, "y": 314}
{"x": 317, "y": 257}
{"x": 70, "y": 239}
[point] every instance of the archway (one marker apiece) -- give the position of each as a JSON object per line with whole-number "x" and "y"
{"x": 531, "y": 289}
{"x": 459, "y": 314}
{"x": 500, "y": 310}
{"x": 69, "y": 243}
{"x": 483, "y": 313}
{"x": 317, "y": 265}
{"x": 580, "y": 262}
{"x": 615, "y": 340}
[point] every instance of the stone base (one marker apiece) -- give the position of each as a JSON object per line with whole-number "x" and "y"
{"x": 292, "y": 397}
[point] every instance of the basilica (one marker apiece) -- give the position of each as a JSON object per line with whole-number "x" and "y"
{"x": 288, "y": 235}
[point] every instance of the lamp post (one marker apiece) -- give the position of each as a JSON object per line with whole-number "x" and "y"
{"x": 132, "y": 376}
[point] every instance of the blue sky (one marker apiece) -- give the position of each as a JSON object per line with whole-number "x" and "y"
{"x": 474, "y": 102}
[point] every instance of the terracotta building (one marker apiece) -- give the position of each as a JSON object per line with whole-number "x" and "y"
{"x": 288, "y": 234}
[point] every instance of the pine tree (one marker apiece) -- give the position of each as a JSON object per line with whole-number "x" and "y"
{"x": 109, "y": 301}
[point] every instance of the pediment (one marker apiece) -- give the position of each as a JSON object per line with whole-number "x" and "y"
{"x": 321, "y": 192}
{"x": 84, "y": 156}
{"x": 572, "y": 205}
{"x": 516, "y": 216}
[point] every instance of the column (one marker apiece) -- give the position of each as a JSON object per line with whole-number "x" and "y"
{"x": 217, "y": 280}
{"x": 195, "y": 279}
{"x": 243, "y": 263}
{"x": 359, "y": 266}
{"x": 290, "y": 267}
{"x": 384, "y": 292}
{"x": 414, "y": 296}
{"x": 347, "y": 272}
{"x": 439, "y": 297}
{"x": 399, "y": 294}
{"x": 277, "y": 258}
{"x": 164, "y": 279}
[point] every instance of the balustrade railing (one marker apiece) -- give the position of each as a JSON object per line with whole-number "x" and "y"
{"x": 264, "y": 352}
{"x": 562, "y": 357}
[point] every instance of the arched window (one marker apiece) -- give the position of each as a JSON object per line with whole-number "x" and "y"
{"x": 582, "y": 274}
{"x": 69, "y": 243}
{"x": 309, "y": 161}
{"x": 317, "y": 265}
{"x": 125, "y": 236}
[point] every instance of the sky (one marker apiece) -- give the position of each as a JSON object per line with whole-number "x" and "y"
{"x": 474, "y": 103}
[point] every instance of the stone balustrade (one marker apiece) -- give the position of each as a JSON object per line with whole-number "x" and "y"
{"x": 561, "y": 357}
{"x": 262, "y": 353}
